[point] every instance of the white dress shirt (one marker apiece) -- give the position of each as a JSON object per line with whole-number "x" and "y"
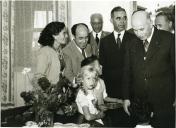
{"x": 150, "y": 37}
{"x": 79, "y": 49}
{"x": 121, "y": 34}
{"x": 99, "y": 34}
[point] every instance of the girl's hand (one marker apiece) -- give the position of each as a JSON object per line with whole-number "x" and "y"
{"x": 103, "y": 107}
{"x": 101, "y": 114}
{"x": 119, "y": 101}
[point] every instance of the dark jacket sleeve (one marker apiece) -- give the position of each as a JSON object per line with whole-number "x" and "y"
{"x": 126, "y": 79}
{"x": 101, "y": 52}
{"x": 172, "y": 55}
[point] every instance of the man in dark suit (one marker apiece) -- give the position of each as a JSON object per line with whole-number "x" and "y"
{"x": 96, "y": 21}
{"x": 111, "y": 57}
{"x": 164, "y": 21}
{"x": 149, "y": 70}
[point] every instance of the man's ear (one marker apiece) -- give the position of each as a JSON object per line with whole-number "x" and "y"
{"x": 111, "y": 20}
{"x": 151, "y": 23}
{"x": 90, "y": 23}
{"x": 170, "y": 24}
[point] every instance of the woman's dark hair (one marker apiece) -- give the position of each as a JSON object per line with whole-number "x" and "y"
{"x": 88, "y": 60}
{"x": 46, "y": 36}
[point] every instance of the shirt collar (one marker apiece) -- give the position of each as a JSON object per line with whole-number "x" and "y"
{"x": 99, "y": 34}
{"x": 150, "y": 37}
{"x": 121, "y": 34}
{"x": 77, "y": 46}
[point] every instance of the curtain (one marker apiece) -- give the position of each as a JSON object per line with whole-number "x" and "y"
{"x": 22, "y": 22}
{"x": 7, "y": 48}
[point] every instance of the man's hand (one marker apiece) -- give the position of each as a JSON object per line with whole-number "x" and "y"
{"x": 78, "y": 79}
{"x": 101, "y": 115}
{"x": 126, "y": 104}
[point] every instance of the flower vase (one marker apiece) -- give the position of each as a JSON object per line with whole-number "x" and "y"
{"x": 44, "y": 119}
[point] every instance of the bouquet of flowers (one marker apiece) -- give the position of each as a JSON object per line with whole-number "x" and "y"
{"x": 47, "y": 98}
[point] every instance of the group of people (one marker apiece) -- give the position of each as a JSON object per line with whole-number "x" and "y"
{"x": 119, "y": 67}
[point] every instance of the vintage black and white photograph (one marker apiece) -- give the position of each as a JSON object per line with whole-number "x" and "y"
{"x": 87, "y": 63}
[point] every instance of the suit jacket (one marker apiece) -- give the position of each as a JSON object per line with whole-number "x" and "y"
{"x": 111, "y": 58}
{"x": 73, "y": 58}
{"x": 93, "y": 43}
{"x": 151, "y": 79}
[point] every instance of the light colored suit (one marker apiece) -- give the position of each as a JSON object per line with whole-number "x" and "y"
{"x": 93, "y": 43}
{"x": 73, "y": 58}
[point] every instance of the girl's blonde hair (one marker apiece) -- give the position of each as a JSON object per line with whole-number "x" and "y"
{"x": 87, "y": 70}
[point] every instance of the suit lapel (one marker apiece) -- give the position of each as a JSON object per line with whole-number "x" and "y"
{"x": 154, "y": 45}
{"x": 140, "y": 49}
{"x": 92, "y": 39}
{"x": 113, "y": 41}
{"x": 102, "y": 34}
{"x": 76, "y": 51}
{"x": 88, "y": 50}
{"x": 125, "y": 38}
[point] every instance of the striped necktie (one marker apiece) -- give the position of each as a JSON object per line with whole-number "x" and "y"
{"x": 146, "y": 45}
{"x": 83, "y": 53}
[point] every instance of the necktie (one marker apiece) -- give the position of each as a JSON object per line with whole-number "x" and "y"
{"x": 97, "y": 39}
{"x": 83, "y": 53}
{"x": 146, "y": 45}
{"x": 118, "y": 40}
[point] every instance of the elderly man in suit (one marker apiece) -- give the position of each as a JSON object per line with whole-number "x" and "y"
{"x": 111, "y": 58}
{"x": 96, "y": 21}
{"x": 76, "y": 50}
{"x": 149, "y": 70}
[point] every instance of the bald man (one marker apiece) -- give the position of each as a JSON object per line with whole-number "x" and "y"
{"x": 149, "y": 70}
{"x": 76, "y": 51}
{"x": 96, "y": 21}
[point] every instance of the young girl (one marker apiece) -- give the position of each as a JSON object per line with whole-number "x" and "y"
{"x": 92, "y": 93}
{"x": 86, "y": 99}
{"x": 100, "y": 88}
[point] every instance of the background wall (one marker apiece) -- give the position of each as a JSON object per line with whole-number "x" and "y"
{"x": 81, "y": 11}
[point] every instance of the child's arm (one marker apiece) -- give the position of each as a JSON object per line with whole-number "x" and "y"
{"x": 114, "y": 100}
{"x": 89, "y": 116}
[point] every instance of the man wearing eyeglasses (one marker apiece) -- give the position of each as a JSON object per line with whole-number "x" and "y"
{"x": 111, "y": 58}
{"x": 96, "y": 21}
